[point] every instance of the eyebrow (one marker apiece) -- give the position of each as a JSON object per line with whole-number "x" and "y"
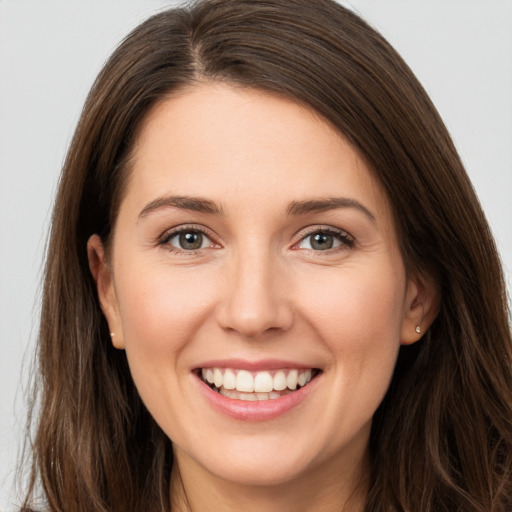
{"x": 295, "y": 208}
{"x": 329, "y": 203}
{"x": 196, "y": 204}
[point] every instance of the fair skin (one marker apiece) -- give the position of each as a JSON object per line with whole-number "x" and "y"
{"x": 252, "y": 238}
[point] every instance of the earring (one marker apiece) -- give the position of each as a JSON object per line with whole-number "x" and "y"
{"x": 112, "y": 334}
{"x": 418, "y": 329}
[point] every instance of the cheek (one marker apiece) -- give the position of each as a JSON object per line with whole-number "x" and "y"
{"x": 161, "y": 312}
{"x": 357, "y": 301}
{"x": 358, "y": 315}
{"x": 160, "y": 309}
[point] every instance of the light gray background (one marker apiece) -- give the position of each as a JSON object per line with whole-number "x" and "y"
{"x": 50, "y": 52}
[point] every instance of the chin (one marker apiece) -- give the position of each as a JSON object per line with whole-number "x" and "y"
{"x": 256, "y": 472}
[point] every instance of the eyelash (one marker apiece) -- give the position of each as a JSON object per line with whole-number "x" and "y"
{"x": 165, "y": 239}
{"x": 346, "y": 240}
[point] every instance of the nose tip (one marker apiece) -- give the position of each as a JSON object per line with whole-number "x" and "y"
{"x": 252, "y": 320}
{"x": 255, "y": 301}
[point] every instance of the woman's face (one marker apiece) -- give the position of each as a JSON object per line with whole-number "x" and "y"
{"x": 253, "y": 248}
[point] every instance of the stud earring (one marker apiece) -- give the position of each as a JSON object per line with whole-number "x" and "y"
{"x": 112, "y": 334}
{"x": 418, "y": 329}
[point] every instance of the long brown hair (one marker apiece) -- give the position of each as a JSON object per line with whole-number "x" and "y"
{"x": 442, "y": 438}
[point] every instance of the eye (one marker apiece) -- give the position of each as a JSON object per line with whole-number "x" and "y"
{"x": 188, "y": 240}
{"x": 324, "y": 240}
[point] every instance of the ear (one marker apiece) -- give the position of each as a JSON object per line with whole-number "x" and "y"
{"x": 102, "y": 275}
{"x": 420, "y": 308}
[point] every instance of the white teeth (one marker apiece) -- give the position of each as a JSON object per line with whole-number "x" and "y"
{"x": 244, "y": 385}
{"x": 229, "y": 380}
{"x": 244, "y": 381}
{"x": 304, "y": 378}
{"x": 280, "y": 381}
{"x": 291, "y": 379}
{"x": 217, "y": 378}
{"x": 263, "y": 382}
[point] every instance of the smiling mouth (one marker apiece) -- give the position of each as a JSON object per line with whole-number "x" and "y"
{"x": 256, "y": 386}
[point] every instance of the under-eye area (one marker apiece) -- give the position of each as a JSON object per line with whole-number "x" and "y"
{"x": 256, "y": 386}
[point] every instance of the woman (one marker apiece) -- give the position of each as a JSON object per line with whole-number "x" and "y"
{"x": 269, "y": 282}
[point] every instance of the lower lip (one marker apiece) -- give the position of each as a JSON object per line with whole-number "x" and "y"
{"x": 263, "y": 410}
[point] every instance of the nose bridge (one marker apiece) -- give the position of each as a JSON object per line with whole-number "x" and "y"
{"x": 255, "y": 299}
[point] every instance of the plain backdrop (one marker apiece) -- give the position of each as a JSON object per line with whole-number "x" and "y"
{"x": 50, "y": 52}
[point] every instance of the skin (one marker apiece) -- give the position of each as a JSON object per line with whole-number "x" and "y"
{"x": 257, "y": 289}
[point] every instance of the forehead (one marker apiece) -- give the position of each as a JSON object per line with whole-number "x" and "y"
{"x": 227, "y": 143}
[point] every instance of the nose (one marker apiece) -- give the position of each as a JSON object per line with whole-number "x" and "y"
{"x": 255, "y": 296}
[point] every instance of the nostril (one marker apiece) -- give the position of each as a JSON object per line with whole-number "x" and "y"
{"x": 256, "y": 320}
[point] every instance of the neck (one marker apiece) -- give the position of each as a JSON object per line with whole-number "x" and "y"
{"x": 334, "y": 487}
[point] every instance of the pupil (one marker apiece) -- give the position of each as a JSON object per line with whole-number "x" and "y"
{"x": 191, "y": 241}
{"x": 322, "y": 241}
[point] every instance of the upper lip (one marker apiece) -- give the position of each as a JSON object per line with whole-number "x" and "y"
{"x": 254, "y": 366}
